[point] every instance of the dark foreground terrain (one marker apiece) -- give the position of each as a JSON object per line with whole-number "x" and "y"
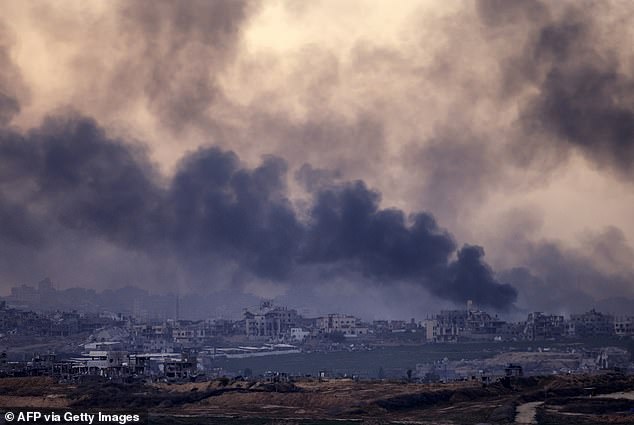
{"x": 571, "y": 399}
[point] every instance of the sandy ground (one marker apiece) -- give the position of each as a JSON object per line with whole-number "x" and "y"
{"x": 526, "y": 412}
{"x": 51, "y": 401}
{"x": 624, "y": 395}
{"x": 386, "y": 401}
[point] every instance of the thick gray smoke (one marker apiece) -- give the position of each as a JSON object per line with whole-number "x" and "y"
{"x": 581, "y": 77}
{"x": 575, "y": 279}
{"x": 67, "y": 173}
{"x": 11, "y": 85}
{"x": 467, "y": 112}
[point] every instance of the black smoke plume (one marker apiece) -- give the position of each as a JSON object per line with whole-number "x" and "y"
{"x": 68, "y": 174}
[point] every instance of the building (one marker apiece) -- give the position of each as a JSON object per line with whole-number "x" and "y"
{"x": 569, "y": 328}
{"x": 24, "y": 295}
{"x": 481, "y": 325}
{"x": 299, "y": 334}
{"x": 513, "y": 371}
{"x": 624, "y": 325}
{"x": 592, "y": 323}
{"x": 270, "y": 322}
{"x": 171, "y": 366}
{"x": 540, "y": 326}
{"x": 342, "y": 323}
{"x": 190, "y": 333}
{"x": 108, "y": 363}
{"x": 447, "y": 326}
{"x": 151, "y": 338}
{"x": 469, "y": 324}
{"x": 430, "y": 328}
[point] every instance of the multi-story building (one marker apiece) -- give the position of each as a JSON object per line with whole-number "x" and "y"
{"x": 270, "y": 321}
{"x": 336, "y": 322}
{"x": 102, "y": 362}
{"x": 541, "y": 326}
{"x": 24, "y": 295}
{"x": 570, "y": 328}
{"x": 188, "y": 332}
{"x": 152, "y": 338}
{"x": 624, "y": 325}
{"x": 481, "y": 325}
{"x": 452, "y": 325}
{"x": 592, "y": 323}
{"x": 430, "y": 328}
{"x": 298, "y": 334}
{"x": 447, "y": 326}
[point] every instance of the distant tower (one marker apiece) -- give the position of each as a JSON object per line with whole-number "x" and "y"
{"x": 470, "y": 305}
{"x": 177, "y": 307}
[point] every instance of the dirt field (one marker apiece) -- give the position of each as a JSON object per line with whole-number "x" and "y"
{"x": 547, "y": 400}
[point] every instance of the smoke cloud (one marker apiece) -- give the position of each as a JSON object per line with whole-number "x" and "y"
{"x": 11, "y": 84}
{"x": 575, "y": 279}
{"x": 77, "y": 178}
{"x": 345, "y": 145}
{"x": 581, "y": 75}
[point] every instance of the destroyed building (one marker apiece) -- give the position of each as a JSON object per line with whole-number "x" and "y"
{"x": 269, "y": 321}
{"x": 592, "y": 324}
{"x": 540, "y": 326}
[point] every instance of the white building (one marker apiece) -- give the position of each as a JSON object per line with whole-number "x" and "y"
{"x": 106, "y": 359}
{"x": 269, "y": 321}
{"x": 431, "y": 328}
{"x": 102, "y": 362}
{"x": 298, "y": 334}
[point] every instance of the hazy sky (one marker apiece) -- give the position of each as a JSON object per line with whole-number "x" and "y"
{"x": 337, "y": 153}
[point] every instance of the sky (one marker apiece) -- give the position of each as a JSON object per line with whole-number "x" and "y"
{"x": 385, "y": 159}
